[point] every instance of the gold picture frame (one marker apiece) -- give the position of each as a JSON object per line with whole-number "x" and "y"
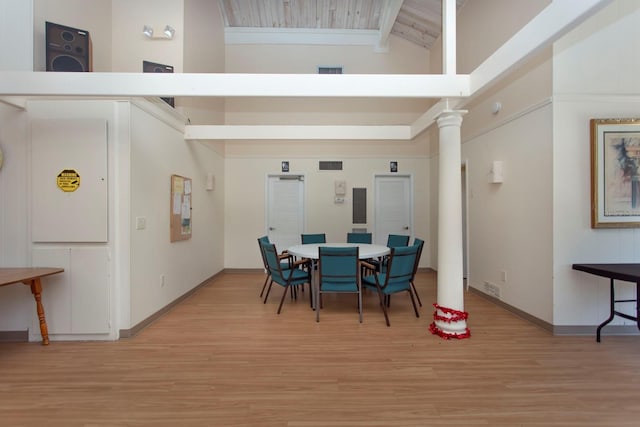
{"x": 615, "y": 173}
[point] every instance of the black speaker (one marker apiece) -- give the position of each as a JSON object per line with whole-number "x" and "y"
{"x": 68, "y": 49}
{"x": 153, "y": 67}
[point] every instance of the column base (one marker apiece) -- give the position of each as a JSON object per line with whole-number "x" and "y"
{"x": 450, "y": 324}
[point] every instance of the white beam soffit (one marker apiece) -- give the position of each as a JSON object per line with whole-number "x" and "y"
{"x": 13, "y": 83}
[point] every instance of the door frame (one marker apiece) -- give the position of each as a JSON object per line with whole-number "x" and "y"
{"x": 411, "y": 199}
{"x": 464, "y": 170}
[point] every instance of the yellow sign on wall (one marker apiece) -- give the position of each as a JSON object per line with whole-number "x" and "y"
{"x": 68, "y": 180}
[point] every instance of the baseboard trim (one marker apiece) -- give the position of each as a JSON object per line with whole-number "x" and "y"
{"x": 608, "y": 330}
{"x": 128, "y": 333}
{"x": 14, "y": 336}
{"x": 526, "y": 316}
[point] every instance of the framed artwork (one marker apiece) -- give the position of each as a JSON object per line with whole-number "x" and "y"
{"x": 615, "y": 173}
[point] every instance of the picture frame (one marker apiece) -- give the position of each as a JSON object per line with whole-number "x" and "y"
{"x": 615, "y": 173}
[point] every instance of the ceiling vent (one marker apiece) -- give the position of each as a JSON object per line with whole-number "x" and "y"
{"x": 330, "y": 165}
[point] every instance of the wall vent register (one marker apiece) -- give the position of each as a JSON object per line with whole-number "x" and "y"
{"x": 330, "y": 165}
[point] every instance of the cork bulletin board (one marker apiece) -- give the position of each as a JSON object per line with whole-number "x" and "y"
{"x": 180, "y": 223}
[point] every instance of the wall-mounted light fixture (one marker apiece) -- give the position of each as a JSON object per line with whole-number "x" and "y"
{"x": 496, "y": 176}
{"x": 147, "y": 31}
{"x": 167, "y": 34}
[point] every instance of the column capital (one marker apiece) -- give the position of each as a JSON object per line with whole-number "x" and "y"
{"x": 450, "y": 118}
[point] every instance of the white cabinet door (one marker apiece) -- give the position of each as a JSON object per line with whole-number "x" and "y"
{"x": 69, "y": 180}
{"x": 77, "y": 300}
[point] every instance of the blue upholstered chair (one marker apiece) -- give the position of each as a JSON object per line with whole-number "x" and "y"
{"x": 297, "y": 275}
{"x": 313, "y": 238}
{"x": 393, "y": 241}
{"x": 338, "y": 272}
{"x": 285, "y": 260}
{"x": 396, "y": 278}
{"x": 358, "y": 237}
{"x": 397, "y": 240}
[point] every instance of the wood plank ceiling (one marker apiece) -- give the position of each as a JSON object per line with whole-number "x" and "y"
{"x": 418, "y": 21}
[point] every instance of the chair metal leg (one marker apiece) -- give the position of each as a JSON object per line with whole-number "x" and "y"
{"x": 268, "y": 290}
{"x": 384, "y": 307}
{"x": 415, "y": 291}
{"x": 266, "y": 279}
{"x": 284, "y": 294}
{"x": 413, "y": 301}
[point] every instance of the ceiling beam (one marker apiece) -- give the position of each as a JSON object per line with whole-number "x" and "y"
{"x": 390, "y": 11}
{"x": 19, "y": 83}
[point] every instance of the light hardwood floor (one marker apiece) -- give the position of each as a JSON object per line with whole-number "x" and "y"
{"x": 222, "y": 358}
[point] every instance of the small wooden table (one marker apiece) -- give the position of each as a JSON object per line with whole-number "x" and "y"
{"x": 624, "y": 272}
{"x": 31, "y": 276}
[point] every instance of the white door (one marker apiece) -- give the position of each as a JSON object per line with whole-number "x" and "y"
{"x": 393, "y": 206}
{"x": 285, "y": 209}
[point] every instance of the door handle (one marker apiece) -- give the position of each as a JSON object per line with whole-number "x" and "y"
{"x": 406, "y": 227}
{"x": 271, "y": 228}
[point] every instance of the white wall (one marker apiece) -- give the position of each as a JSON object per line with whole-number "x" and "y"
{"x": 510, "y": 224}
{"x": 595, "y": 76}
{"x": 16, "y": 301}
{"x": 246, "y": 199}
{"x": 158, "y": 151}
{"x": 131, "y": 47}
{"x": 15, "y": 17}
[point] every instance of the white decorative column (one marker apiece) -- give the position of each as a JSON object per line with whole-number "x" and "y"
{"x": 450, "y": 317}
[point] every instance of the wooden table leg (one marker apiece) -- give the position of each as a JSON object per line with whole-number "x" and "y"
{"x": 36, "y": 290}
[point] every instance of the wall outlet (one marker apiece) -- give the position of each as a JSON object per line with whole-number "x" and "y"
{"x": 141, "y": 223}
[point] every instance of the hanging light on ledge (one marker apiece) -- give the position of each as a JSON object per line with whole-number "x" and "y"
{"x": 147, "y": 31}
{"x": 169, "y": 32}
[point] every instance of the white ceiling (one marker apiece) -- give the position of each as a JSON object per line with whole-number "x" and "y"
{"x": 418, "y": 21}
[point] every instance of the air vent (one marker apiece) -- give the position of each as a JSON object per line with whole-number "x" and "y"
{"x": 329, "y": 70}
{"x": 330, "y": 165}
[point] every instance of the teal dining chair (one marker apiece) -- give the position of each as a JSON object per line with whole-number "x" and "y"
{"x": 393, "y": 241}
{"x": 285, "y": 261}
{"x": 289, "y": 279}
{"x": 358, "y": 237}
{"x": 313, "y": 238}
{"x": 338, "y": 272}
{"x": 397, "y": 277}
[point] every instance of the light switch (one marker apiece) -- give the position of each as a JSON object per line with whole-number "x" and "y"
{"x": 141, "y": 223}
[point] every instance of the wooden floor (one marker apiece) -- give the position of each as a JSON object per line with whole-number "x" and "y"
{"x": 222, "y": 358}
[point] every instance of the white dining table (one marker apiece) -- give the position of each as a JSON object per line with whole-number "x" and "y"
{"x": 311, "y": 251}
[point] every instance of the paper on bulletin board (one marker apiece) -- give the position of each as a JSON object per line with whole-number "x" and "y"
{"x": 180, "y": 208}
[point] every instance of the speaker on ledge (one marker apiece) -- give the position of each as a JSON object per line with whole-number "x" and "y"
{"x": 67, "y": 48}
{"x": 153, "y": 67}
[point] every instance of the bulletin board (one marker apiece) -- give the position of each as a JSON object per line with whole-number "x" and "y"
{"x": 180, "y": 223}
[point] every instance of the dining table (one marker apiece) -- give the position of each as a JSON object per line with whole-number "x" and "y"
{"x": 30, "y": 276}
{"x": 312, "y": 250}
